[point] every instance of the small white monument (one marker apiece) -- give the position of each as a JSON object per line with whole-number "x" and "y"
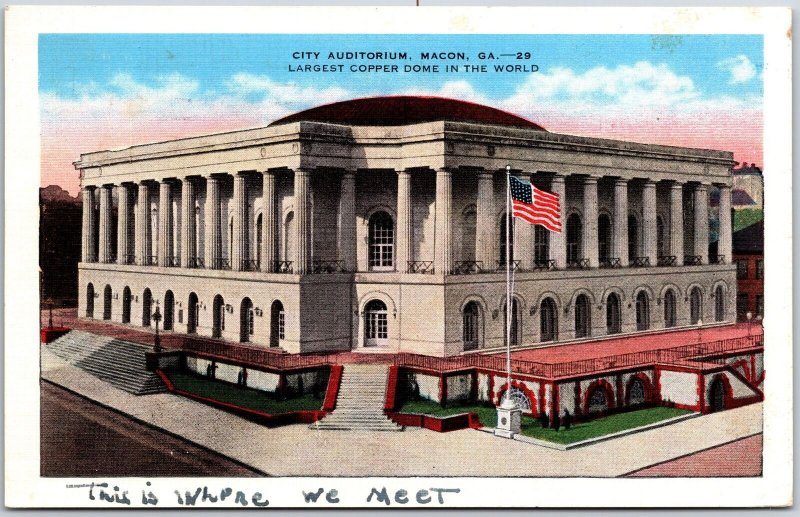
{"x": 509, "y": 419}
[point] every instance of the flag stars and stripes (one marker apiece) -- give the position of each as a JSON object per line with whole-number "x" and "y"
{"x": 535, "y": 206}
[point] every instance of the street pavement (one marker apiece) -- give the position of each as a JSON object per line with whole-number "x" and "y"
{"x": 297, "y": 450}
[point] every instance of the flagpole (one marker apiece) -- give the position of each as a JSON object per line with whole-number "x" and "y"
{"x": 509, "y": 305}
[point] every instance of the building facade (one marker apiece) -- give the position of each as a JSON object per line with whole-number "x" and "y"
{"x": 748, "y": 255}
{"x": 378, "y": 224}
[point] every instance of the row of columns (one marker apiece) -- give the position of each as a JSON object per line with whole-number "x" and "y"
{"x": 443, "y": 260}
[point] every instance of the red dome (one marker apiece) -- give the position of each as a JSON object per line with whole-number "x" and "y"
{"x": 403, "y": 110}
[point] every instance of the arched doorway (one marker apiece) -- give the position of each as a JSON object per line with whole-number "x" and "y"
{"x": 381, "y": 242}
{"x": 376, "y": 324}
{"x": 277, "y": 325}
{"x": 574, "y": 233}
{"x": 583, "y": 316}
{"x": 107, "y": 302}
{"x": 642, "y": 311}
{"x": 603, "y": 238}
{"x": 515, "y": 322}
{"x": 633, "y": 237}
{"x": 147, "y": 306}
{"x": 246, "y": 320}
{"x": 548, "y": 320}
{"x": 126, "y": 305}
{"x": 218, "y": 320}
{"x": 695, "y": 305}
{"x": 613, "y": 315}
{"x": 192, "y": 310}
{"x": 169, "y": 310}
{"x": 637, "y": 392}
{"x": 471, "y": 326}
{"x": 717, "y": 402}
{"x": 719, "y": 304}
{"x": 90, "y": 300}
{"x": 598, "y": 400}
{"x": 670, "y": 309}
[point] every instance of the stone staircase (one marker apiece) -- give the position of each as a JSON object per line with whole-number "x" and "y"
{"x": 359, "y": 405}
{"x": 119, "y": 363}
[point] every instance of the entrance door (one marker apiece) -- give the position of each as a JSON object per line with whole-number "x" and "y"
{"x": 717, "y": 395}
{"x": 376, "y": 324}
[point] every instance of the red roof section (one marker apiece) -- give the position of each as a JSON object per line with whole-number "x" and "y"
{"x": 402, "y": 110}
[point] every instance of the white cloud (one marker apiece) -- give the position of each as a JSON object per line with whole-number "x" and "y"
{"x": 740, "y": 68}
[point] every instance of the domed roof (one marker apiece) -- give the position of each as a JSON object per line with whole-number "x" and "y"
{"x": 402, "y": 110}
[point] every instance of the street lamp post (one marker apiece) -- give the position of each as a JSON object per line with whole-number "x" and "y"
{"x": 749, "y": 322}
{"x": 157, "y": 341}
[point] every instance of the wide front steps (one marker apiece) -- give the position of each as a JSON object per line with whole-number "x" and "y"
{"x": 359, "y": 405}
{"x": 119, "y": 363}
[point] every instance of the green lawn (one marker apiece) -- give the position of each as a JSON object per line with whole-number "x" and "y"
{"x": 244, "y": 397}
{"x": 530, "y": 427}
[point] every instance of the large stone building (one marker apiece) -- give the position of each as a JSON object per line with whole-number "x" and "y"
{"x": 377, "y": 224}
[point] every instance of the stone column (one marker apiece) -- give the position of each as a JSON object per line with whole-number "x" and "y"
{"x": 104, "y": 249}
{"x": 444, "y": 198}
{"x": 701, "y": 222}
{"x": 302, "y": 250}
{"x": 621, "y": 221}
{"x": 123, "y": 223}
{"x": 676, "y": 222}
{"x": 485, "y": 237}
{"x": 239, "y": 253}
{"x": 405, "y": 222}
{"x": 558, "y": 241}
{"x": 725, "y": 232}
{"x": 650, "y": 222}
{"x": 347, "y": 221}
{"x": 590, "y": 245}
{"x": 87, "y": 228}
{"x": 269, "y": 252}
{"x": 164, "y": 223}
{"x": 212, "y": 240}
{"x": 188, "y": 243}
{"x": 143, "y": 224}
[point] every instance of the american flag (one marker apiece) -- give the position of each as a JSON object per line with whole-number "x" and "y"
{"x": 535, "y": 206}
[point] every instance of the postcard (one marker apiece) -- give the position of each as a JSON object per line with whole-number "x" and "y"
{"x": 398, "y": 257}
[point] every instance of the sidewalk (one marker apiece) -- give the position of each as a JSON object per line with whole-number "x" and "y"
{"x": 296, "y": 450}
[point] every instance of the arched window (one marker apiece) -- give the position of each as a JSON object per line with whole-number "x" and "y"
{"x": 520, "y": 399}
{"x": 603, "y": 237}
{"x": 598, "y": 400}
{"x": 670, "y": 310}
{"x": 583, "y": 316}
{"x": 468, "y": 228}
{"x": 126, "y": 305}
{"x": 169, "y": 310}
{"x": 472, "y": 322}
{"x": 107, "y": 302}
{"x": 642, "y": 311}
{"x": 277, "y": 325}
{"x": 661, "y": 244}
{"x": 613, "y": 316}
{"x": 574, "y": 232}
{"x": 218, "y": 321}
{"x": 633, "y": 237}
{"x": 246, "y": 320}
{"x": 376, "y": 324}
{"x": 381, "y": 242}
{"x": 259, "y": 239}
{"x": 502, "y": 261}
{"x": 90, "y": 300}
{"x": 541, "y": 245}
{"x": 548, "y": 320}
{"x": 695, "y": 305}
{"x": 636, "y": 392}
{"x": 719, "y": 304}
{"x": 147, "y": 307}
{"x": 193, "y": 309}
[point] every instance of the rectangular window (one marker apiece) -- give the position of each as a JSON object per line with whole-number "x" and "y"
{"x": 742, "y": 302}
{"x": 741, "y": 269}
{"x": 760, "y": 269}
{"x": 760, "y": 305}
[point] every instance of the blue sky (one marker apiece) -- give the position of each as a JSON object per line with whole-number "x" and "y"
{"x": 102, "y": 91}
